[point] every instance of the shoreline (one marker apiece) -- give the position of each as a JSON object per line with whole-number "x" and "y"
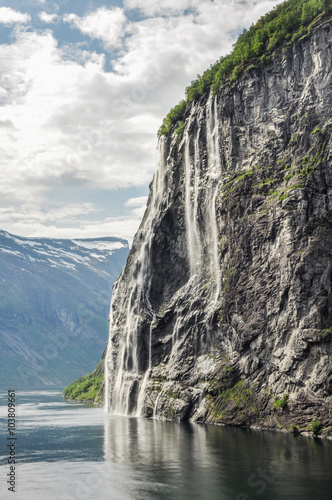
{"x": 306, "y": 434}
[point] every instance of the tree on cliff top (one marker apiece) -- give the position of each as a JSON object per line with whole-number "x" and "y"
{"x": 287, "y": 22}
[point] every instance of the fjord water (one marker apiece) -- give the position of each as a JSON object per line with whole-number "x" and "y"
{"x": 72, "y": 451}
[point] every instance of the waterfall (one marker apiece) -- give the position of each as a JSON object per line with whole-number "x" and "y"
{"x": 107, "y": 385}
{"x": 194, "y": 245}
{"x": 201, "y": 188}
{"x": 214, "y": 162}
{"x": 201, "y": 191}
{"x": 127, "y": 377}
{"x": 142, "y": 392}
{"x": 130, "y": 382}
{"x": 108, "y": 356}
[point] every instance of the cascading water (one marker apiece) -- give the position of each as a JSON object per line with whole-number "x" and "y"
{"x": 194, "y": 244}
{"x": 212, "y": 134}
{"x": 201, "y": 187}
{"x": 197, "y": 308}
{"x": 201, "y": 191}
{"x": 127, "y": 377}
{"x": 128, "y": 385}
{"x": 108, "y": 357}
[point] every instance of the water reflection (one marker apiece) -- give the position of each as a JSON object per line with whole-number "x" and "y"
{"x": 204, "y": 462}
{"x": 68, "y": 451}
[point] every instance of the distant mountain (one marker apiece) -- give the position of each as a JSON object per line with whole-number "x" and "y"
{"x": 54, "y": 305}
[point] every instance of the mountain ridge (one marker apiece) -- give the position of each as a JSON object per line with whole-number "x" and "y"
{"x": 54, "y": 302}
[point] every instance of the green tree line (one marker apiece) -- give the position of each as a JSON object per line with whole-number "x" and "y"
{"x": 86, "y": 387}
{"x": 288, "y": 22}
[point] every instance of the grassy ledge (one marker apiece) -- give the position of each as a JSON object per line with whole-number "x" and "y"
{"x": 87, "y": 388}
{"x": 286, "y": 23}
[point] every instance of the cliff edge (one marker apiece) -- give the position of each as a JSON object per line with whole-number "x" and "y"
{"x": 223, "y": 312}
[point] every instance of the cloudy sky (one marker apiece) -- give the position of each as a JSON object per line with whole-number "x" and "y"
{"x": 83, "y": 89}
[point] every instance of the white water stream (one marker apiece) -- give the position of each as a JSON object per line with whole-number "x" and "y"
{"x": 125, "y": 383}
{"x": 128, "y": 376}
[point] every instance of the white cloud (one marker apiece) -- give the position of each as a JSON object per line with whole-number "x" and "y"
{"x": 138, "y": 206}
{"x": 69, "y": 221}
{"x": 104, "y": 24}
{"x": 10, "y": 16}
{"x": 241, "y": 8}
{"x": 137, "y": 202}
{"x": 62, "y": 112}
{"x": 161, "y": 7}
{"x": 48, "y": 18}
{"x": 66, "y": 122}
{"x": 6, "y": 124}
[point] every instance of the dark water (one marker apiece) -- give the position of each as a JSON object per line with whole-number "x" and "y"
{"x": 69, "y": 451}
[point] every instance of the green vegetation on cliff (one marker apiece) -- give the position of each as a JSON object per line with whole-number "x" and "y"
{"x": 88, "y": 387}
{"x": 287, "y": 22}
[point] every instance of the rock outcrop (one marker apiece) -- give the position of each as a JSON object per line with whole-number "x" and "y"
{"x": 223, "y": 312}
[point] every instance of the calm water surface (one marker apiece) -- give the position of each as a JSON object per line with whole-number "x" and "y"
{"x": 70, "y": 451}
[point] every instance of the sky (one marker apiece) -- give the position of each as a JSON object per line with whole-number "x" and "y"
{"x": 84, "y": 86}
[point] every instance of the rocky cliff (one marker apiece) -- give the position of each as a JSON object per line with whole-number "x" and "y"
{"x": 223, "y": 312}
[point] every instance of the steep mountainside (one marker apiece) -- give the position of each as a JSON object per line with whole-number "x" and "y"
{"x": 54, "y": 305}
{"x": 224, "y": 310}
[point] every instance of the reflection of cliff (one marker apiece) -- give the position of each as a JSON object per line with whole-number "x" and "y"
{"x": 175, "y": 461}
{"x": 161, "y": 460}
{"x": 226, "y": 299}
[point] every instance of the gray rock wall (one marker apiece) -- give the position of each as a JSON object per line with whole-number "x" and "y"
{"x": 225, "y": 303}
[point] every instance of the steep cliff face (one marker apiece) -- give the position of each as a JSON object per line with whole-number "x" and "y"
{"x": 225, "y": 303}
